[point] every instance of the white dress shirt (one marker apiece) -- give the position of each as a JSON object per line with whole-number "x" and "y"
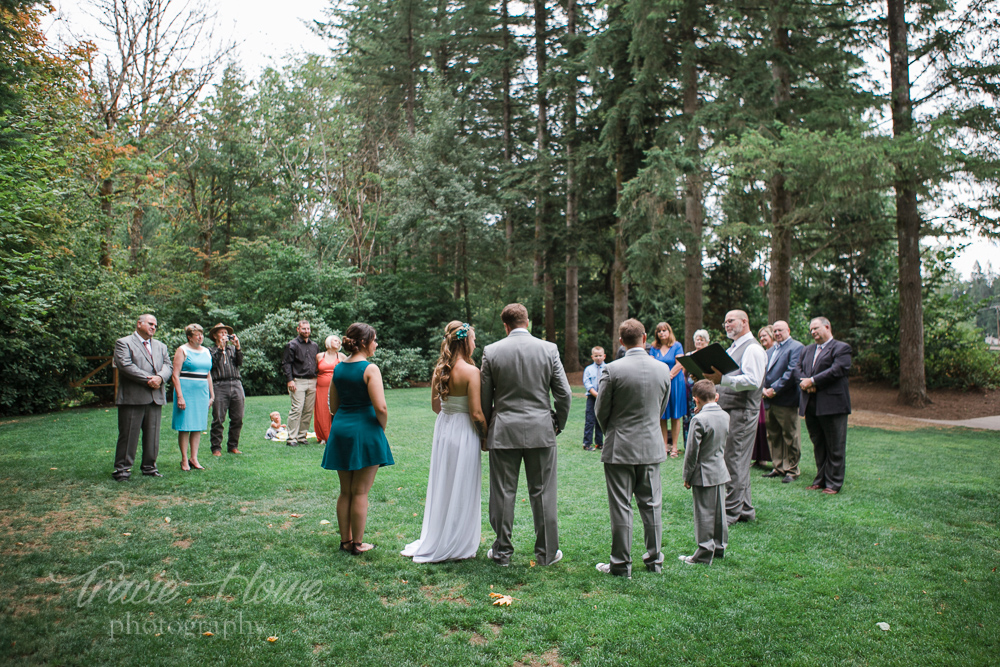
{"x": 752, "y": 367}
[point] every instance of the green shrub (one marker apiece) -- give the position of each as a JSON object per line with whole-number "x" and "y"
{"x": 401, "y": 368}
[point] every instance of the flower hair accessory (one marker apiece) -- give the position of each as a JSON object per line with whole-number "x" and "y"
{"x": 463, "y": 331}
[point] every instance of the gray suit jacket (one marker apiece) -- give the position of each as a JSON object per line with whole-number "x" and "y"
{"x": 517, "y": 374}
{"x": 631, "y": 396}
{"x": 704, "y": 456}
{"x": 135, "y": 367}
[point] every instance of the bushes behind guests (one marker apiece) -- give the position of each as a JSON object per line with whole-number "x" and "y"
{"x": 402, "y": 367}
{"x": 263, "y": 345}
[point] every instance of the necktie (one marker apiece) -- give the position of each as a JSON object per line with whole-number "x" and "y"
{"x": 773, "y": 353}
{"x": 816, "y": 356}
{"x": 149, "y": 351}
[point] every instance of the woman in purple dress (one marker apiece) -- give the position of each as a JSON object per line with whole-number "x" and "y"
{"x": 761, "y": 452}
{"x": 667, "y": 348}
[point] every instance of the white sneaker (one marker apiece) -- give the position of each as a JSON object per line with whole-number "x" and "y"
{"x": 557, "y": 558}
{"x": 605, "y": 568}
{"x": 687, "y": 560}
{"x": 489, "y": 554}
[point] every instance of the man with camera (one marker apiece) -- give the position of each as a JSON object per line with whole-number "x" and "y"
{"x": 229, "y": 397}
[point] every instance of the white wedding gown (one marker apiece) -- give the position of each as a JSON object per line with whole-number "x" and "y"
{"x": 452, "y": 515}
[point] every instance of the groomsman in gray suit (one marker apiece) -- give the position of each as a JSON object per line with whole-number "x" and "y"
{"x": 632, "y": 394}
{"x": 144, "y": 366}
{"x": 781, "y": 400}
{"x": 739, "y": 395}
{"x": 518, "y": 373}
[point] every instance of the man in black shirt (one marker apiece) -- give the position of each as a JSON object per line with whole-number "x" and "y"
{"x": 299, "y": 368}
{"x": 229, "y": 397}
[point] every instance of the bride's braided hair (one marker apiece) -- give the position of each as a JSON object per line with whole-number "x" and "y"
{"x": 455, "y": 343}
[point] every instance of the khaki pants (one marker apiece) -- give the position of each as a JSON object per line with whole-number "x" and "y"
{"x": 300, "y": 416}
{"x": 783, "y": 437}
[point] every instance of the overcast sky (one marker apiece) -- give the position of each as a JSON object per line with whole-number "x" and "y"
{"x": 268, "y": 32}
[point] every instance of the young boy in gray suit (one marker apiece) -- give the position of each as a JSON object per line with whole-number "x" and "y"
{"x": 705, "y": 473}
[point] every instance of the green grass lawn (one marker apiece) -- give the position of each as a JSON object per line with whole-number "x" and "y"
{"x": 91, "y": 573}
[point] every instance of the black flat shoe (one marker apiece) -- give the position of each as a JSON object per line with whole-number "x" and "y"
{"x": 345, "y": 545}
{"x": 194, "y": 467}
{"x": 356, "y": 549}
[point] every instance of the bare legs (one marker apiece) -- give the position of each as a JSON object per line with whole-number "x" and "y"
{"x": 674, "y": 429}
{"x": 352, "y": 505}
{"x": 183, "y": 439}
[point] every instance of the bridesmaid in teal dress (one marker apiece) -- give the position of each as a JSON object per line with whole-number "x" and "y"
{"x": 357, "y": 446}
{"x": 667, "y": 348}
{"x": 193, "y": 393}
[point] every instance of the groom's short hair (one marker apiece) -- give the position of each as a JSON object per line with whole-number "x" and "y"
{"x": 631, "y": 332}
{"x": 514, "y": 315}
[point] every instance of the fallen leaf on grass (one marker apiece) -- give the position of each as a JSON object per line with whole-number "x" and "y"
{"x": 53, "y": 468}
{"x": 531, "y": 563}
{"x": 324, "y": 522}
{"x": 208, "y": 634}
{"x": 272, "y": 639}
{"x": 884, "y": 627}
{"x": 503, "y": 601}
{"x": 297, "y": 516}
{"x": 127, "y": 534}
{"x": 166, "y": 519}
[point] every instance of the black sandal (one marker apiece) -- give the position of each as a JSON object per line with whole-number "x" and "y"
{"x": 357, "y": 551}
{"x": 344, "y": 545}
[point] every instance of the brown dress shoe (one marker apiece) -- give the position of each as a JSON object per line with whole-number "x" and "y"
{"x": 830, "y": 492}
{"x": 813, "y": 487}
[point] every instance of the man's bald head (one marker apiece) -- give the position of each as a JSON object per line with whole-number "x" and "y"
{"x": 737, "y": 324}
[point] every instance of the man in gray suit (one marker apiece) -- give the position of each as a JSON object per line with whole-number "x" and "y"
{"x": 144, "y": 366}
{"x": 739, "y": 395}
{"x": 632, "y": 394}
{"x": 781, "y": 400}
{"x": 518, "y": 373}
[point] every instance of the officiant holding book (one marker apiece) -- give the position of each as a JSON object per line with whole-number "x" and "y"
{"x": 740, "y": 392}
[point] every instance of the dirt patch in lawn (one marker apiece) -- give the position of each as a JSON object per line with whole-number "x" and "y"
{"x": 946, "y": 404}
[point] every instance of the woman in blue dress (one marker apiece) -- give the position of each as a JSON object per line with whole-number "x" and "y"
{"x": 666, "y": 348}
{"x": 356, "y": 447}
{"x": 193, "y": 393}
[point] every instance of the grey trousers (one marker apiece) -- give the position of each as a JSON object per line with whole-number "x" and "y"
{"x": 540, "y": 472}
{"x": 739, "y": 450}
{"x": 783, "y": 438}
{"x": 623, "y": 482}
{"x": 300, "y": 416}
{"x": 829, "y": 437}
{"x": 131, "y": 420}
{"x": 228, "y": 399}
{"x": 710, "y": 529}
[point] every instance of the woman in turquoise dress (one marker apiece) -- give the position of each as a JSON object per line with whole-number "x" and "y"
{"x": 356, "y": 447}
{"x": 667, "y": 348}
{"x": 193, "y": 393}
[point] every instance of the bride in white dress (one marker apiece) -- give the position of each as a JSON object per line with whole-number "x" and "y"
{"x": 452, "y": 515}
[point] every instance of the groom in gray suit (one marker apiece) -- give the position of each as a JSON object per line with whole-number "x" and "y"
{"x": 518, "y": 373}
{"x": 633, "y": 393}
{"x": 144, "y": 366}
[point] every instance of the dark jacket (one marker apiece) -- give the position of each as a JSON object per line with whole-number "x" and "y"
{"x": 833, "y": 395}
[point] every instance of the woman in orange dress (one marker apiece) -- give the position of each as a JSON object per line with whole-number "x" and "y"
{"x": 325, "y": 363}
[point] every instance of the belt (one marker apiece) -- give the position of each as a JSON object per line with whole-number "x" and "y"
{"x": 226, "y": 380}
{"x": 305, "y": 377}
{"x": 196, "y": 376}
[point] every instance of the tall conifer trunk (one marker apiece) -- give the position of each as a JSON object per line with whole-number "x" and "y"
{"x": 571, "y": 358}
{"x": 538, "y": 278}
{"x": 618, "y": 284}
{"x": 912, "y": 378}
{"x": 780, "y": 282}
{"x": 693, "y": 210}
{"x": 505, "y": 74}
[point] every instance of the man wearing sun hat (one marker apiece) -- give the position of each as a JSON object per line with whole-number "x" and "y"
{"x": 229, "y": 397}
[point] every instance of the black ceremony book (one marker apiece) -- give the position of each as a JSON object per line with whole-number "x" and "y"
{"x": 699, "y": 362}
